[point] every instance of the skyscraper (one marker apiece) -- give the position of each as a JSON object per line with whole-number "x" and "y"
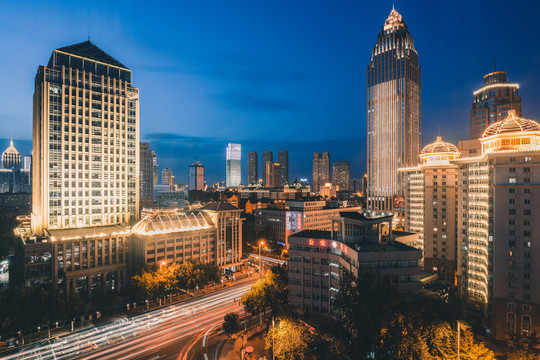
{"x": 196, "y": 176}
{"x": 167, "y": 177}
{"x": 321, "y": 170}
{"x": 27, "y": 162}
{"x": 492, "y": 102}
{"x": 146, "y": 192}
{"x": 234, "y": 165}
{"x": 341, "y": 175}
{"x": 393, "y": 111}
{"x": 155, "y": 169}
{"x": 283, "y": 160}
{"x": 272, "y": 174}
{"x": 267, "y": 156}
{"x": 85, "y": 141}
{"x": 253, "y": 167}
{"x": 11, "y": 158}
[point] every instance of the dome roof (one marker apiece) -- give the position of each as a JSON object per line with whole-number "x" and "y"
{"x": 196, "y": 163}
{"x": 439, "y": 146}
{"x": 11, "y": 149}
{"x": 511, "y": 123}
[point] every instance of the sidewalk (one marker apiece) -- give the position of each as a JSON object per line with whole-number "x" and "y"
{"x": 232, "y": 350}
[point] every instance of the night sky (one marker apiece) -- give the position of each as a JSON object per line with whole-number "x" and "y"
{"x": 269, "y": 75}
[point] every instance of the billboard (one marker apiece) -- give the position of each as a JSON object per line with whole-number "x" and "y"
{"x": 398, "y": 203}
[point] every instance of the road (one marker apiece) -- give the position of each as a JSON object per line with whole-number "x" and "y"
{"x": 167, "y": 333}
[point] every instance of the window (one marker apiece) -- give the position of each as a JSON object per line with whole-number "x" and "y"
{"x": 512, "y": 180}
{"x": 512, "y": 169}
{"x": 527, "y": 201}
{"x": 526, "y": 169}
{"x": 511, "y": 201}
{"x": 511, "y": 191}
{"x": 527, "y": 180}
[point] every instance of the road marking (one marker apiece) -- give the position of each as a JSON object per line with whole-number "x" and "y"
{"x": 207, "y": 331}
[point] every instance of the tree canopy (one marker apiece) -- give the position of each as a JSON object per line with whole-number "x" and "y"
{"x": 290, "y": 339}
{"x": 269, "y": 292}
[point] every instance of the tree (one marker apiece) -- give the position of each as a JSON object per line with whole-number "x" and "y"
{"x": 269, "y": 292}
{"x": 231, "y": 323}
{"x": 521, "y": 355}
{"x": 289, "y": 340}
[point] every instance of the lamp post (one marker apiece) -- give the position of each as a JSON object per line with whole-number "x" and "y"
{"x": 260, "y": 259}
{"x": 161, "y": 265}
{"x": 458, "y": 333}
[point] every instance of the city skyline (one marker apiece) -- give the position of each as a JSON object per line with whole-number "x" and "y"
{"x": 198, "y": 137}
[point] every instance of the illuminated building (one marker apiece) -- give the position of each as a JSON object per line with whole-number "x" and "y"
{"x": 196, "y": 176}
{"x": 430, "y": 191}
{"x": 155, "y": 169}
{"x": 393, "y": 111}
{"x": 297, "y": 216}
{"x": 498, "y": 197}
{"x": 283, "y": 160}
{"x": 492, "y": 102}
{"x": 329, "y": 190}
{"x": 253, "y": 168}
{"x": 234, "y": 165}
{"x": 272, "y": 174}
{"x": 341, "y": 175}
{"x": 355, "y": 243}
{"x": 85, "y": 141}
{"x": 146, "y": 167}
{"x": 267, "y": 156}
{"x": 167, "y": 178}
{"x": 27, "y": 162}
{"x": 321, "y": 170}
{"x": 11, "y": 159}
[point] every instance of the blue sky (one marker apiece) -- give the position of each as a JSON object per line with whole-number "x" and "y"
{"x": 270, "y": 75}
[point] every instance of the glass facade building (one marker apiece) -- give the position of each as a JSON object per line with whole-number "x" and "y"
{"x": 393, "y": 111}
{"x": 321, "y": 170}
{"x": 283, "y": 160}
{"x": 253, "y": 167}
{"x": 196, "y": 176}
{"x": 85, "y": 141}
{"x": 234, "y": 167}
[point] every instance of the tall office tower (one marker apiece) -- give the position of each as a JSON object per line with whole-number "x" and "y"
{"x": 196, "y": 176}
{"x": 167, "y": 177}
{"x": 27, "y": 162}
{"x": 267, "y": 156}
{"x": 492, "y": 102}
{"x": 498, "y": 197}
{"x": 272, "y": 174}
{"x": 341, "y": 175}
{"x": 11, "y": 159}
{"x": 321, "y": 170}
{"x": 85, "y": 141}
{"x": 283, "y": 160}
{"x": 146, "y": 192}
{"x": 253, "y": 167}
{"x": 430, "y": 191}
{"x": 155, "y": 169}
{"x": 393, "y": 111}
{"x": 234, "y": 164}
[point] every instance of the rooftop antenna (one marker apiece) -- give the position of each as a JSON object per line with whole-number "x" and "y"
{"x": 393, "y": 5}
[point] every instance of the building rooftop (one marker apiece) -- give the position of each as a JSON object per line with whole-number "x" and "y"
{"x": 11, "y": 149}
{"x": 94, "y": 231}
{"x": 164, "y": 222}
{"x": 439, "y": 146}
{"x": 89, "y": 50}
{"x": 219, "y": 206}
{"x": 358, "y": 216}
{"x": 512, "y": 123}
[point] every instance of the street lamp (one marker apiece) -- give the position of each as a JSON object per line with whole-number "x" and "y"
{"x": 161, "y": 265}
{"x": 260, "y": 259}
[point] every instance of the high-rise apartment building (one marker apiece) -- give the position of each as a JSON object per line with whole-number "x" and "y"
{"x": 167, "y": 177}
{"x": 234, "y": 165}
{"x": 283, "y": 160}
{"x": 430, "y": 190}
{"x": 393, "y": 111}
{"x": 267, "y": 156}
{"x": 85, "y": 141}
{"x": 146, "y": 192}
{"x": 321, "y": 170}
{"x": 27, "y": 162}
{"x": 196, "y": 176}
{"x": 11, "y": 158}
{"x": 492, "y": 102}
{"x": 272, "y": 174}
{"x": 253, "y": 168}
{"x": 341, "y": 175}
{"x": 155, "y": 170}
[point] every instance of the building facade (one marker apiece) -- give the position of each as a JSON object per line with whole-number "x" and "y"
{"x": 167, "y": 178}
{"x": 253, "y": 168}
{"x": 234, "y": 165}
{"x": 430, "y": 191}
{"x": 272, "y": 174}
{"x": 155, "y": 169}
{"x": 393, "y": 111}
{"x": 85, "y": 141}
{"x": 341, "y": 175}
{"x": 283, "y": 160}
{"x": 317, "y": 260}
{"x": 11, "y": 158}
{"x": 267, "y": 156}
{"x": 196, "y": 176}
{"x": 492, "y": 102}
{"x": 321, "y": 170}
{"x": 146, "y": 167}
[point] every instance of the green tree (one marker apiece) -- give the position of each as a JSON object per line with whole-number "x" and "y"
{"x": 231, "y": 323}
{"x": 289, "y": 340}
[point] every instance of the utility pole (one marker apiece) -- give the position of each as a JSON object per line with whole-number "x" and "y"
{"x": 458, "y": 330}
